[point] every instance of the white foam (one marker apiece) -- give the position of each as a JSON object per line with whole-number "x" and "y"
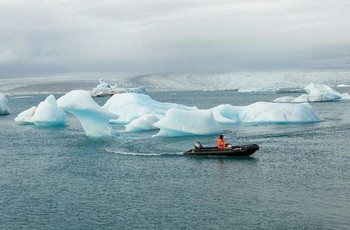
{"x": 142, "y": 154}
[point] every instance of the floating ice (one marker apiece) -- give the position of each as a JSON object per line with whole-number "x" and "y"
{"x": 316, "y": 93}
{"x": 132, "y": 106}
{"x": 46, "y": 114}
{"x": 212, "y": 121}
{"x": 288, "y": 99}
{"x": 25, "y": 117}
{"x": 49, "y": 114}
{"x": 4, "y": 108}
{"x": 143, "y": 123}
{"x": 105, "y": 89}
{"x": 227, "y": 114}
{"x": 345, "y": 96}
{"x": 271, "y": 90}
{"x": 343, "y": 86}
{"x": 188, "y": 122}
{"x": 140, "y": 112}
{"x": 92, "y": 117}
{"x": 321, "y": 92}
{"x": 266, "y": 112}
{"x": 103, "y": 84}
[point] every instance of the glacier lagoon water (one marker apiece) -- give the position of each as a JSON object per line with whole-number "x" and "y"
{"x": 57, "y": 178}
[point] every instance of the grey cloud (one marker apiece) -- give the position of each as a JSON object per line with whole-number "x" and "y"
{"x": 72, "y": 36}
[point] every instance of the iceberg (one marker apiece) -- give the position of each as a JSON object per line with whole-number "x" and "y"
{"x": 140, "y": 112}
{"x": 321, "y": 92}
{"x": 268, "y": 112}
{"x": 345, "y": 96}
{"x": 215, "y": 120}
{"x": 265, "y": 112}
{"x": 271, "y": 90}
{"x": 132, "y": 106}
{"x": 143, "y": 123}
{"x": 25, "y": 117}
{"x": 4, "y": 108}
{"x": 188, "y": 122}
{"x": 47, "y": 113}
{"x": 227, "y": 114}
{"x": 315, "y": 93}
{"x": 105, "y": 89}
{"x": 93, "y": 118}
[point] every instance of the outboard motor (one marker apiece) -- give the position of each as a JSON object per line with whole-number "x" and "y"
{"x": 198, "y": 145}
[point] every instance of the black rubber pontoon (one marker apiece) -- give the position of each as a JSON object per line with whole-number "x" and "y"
{"x": 243, "y": 150}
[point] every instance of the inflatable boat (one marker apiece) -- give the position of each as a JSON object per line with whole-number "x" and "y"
{"x": 231, "y": 151}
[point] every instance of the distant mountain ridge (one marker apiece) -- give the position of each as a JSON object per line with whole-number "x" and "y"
{"x": 182, "y": 81}
{"x": 239, "y": 80}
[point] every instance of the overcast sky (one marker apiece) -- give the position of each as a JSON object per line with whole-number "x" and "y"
{"x": 57, "y": 37}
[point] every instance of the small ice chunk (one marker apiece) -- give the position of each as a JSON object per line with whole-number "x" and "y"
{"x": 47, "y": 113}
{"x": 4, "y": 108}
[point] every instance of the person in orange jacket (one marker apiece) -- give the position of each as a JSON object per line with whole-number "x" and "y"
{"x": 221, "y": 143}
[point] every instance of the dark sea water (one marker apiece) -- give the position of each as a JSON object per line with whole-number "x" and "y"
{"x": 57, "y": 178}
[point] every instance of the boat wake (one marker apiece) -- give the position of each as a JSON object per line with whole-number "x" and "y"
{"x": 143, "y": 154}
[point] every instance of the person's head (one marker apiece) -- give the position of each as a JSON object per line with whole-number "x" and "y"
{"x": 221, "y": 136}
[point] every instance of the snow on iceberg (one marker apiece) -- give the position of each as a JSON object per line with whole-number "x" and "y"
{"x": 132, "y": 106}
{"x": 47, "y": 113}
{"x": 4, "y": 108}
{"x": 213, "y": 121}
{"x": 92, "y": 117}
{"x": 316, "y": 93}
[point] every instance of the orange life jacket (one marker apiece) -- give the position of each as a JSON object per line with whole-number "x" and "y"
{"x": 221, "y": 144}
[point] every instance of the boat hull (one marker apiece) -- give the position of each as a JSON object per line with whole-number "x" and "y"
{"x": 243, "y": 150}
